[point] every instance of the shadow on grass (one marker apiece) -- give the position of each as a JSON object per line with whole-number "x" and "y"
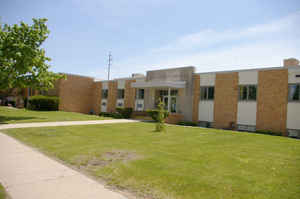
{"x": 5, "y": 119}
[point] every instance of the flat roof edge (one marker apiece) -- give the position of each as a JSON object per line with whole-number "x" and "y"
{"x": 251, "y": 69}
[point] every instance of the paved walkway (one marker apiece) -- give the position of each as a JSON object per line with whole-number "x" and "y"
{"x": 69, "y": 123}
{"x": 28, "y": 174}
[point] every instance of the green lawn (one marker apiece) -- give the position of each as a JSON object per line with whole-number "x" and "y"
{"x": 2, "y": 192}
{"x": 13, "y": 115}
{"x": 184, "y": 163}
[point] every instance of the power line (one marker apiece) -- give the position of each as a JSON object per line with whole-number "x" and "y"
{"x": 109, "y": 64}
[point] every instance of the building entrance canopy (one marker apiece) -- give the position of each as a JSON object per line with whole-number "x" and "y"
{"x": 167, "y": 99}
{"x": 159, "y": 84}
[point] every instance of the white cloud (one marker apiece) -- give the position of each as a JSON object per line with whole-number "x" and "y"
{"x": 209, "y": 37}
{"x": 211, "y": 50}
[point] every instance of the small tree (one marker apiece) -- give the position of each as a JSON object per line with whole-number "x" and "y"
{"x": 161, "y": 116}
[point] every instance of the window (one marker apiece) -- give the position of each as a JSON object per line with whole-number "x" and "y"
{"x": 247, "y": 93}
{"x": 140, "y": 94}
{"x": 104, "y": 93}
{"x": 165, "y": 92}
{"x": 120, "y": 94}
{"x": 294, "y": 92}
{"x": 30, "y": 92}
{"x": 207, "y": 93}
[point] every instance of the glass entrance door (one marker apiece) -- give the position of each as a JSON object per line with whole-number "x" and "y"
{"x": 173, "y": 103}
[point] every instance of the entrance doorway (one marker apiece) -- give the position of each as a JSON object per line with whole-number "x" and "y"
{"x": 173, "y": 103}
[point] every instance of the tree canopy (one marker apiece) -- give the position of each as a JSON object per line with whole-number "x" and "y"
{"x": 23, "y": 62}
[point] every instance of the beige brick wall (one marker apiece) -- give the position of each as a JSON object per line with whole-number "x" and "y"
{"x": 112, "y": 96}
{"x": 196, "y": 97}
{"x": 226, "y": 99}
{"x": 76, "y": 94}
{"x": 97, "y": 92}
{"x": 272, "y": 100}
{"x": 174, "y": 118}
{"x": 129, "y": 99}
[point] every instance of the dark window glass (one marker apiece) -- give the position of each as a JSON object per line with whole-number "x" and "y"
{"x": 252, "y": 93}
{"x": 163, "y": 92}
{"x": 207, "y": 93}
{"x": 166, "y": 92}
{"x": 174, "y": 92}
{"x": 243, "y": 94}
{"x": 294, "y": 92}
{"x": 211, "y": 91}
{"x": 202, "y": 93}
{"x": 247, "y": 92}
{"x": 104, "y": 93}
{"x": 120, "y": 93}
{"x": 140, "y": 94}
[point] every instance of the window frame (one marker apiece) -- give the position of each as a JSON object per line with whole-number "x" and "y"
{"x": 292, "y": 100}
{"x": 102, "y": 93}
{"x": 247, "y": 86}
{"x": 206, "y": 95}
{"x": 122, "y": 93}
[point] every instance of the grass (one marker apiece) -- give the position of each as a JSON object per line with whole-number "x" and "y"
{"x": 13, "y": 115}
{"x": 2, "y": 192}
{"x": 184, "y": 163}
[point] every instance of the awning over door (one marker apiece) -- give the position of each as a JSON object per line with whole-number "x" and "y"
{"x": 158, "y": 84}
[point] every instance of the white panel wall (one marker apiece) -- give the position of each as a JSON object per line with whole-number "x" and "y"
{"x": 104, "y": 107}
{"x": 206, "y": 107}
{"x": 293, "y": 112}
{"x": 104, "y": 85}
{"x": 120, "y": 103}
{"x": 248, "y": 77}
{"x": 293, "y": 115}
{"x": 292, "y": 75}
{"x": 206, "y": 111}
{"x": 247, "y": 109}
{"x": 121, "y": 84}
{"x": 246, "y": 113}
{"x": 207, "y": 79}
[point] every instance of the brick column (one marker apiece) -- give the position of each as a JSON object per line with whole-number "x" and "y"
{"x": 129, "y": 99}
{"x": 272, "y": 99}
{"x": 196, "y": 97}
{"x": 226, "y": 99}
{"x": 97, "y": 96}
{"x": 112, "y": 96}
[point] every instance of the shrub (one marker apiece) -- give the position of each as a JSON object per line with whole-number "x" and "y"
{"x": 267, "y": 132}
{"x": 113, "y": 115}
{"x": 187, "y": 123}
{"x": 153, "y": 113}
{"x": 25, "y": 102}
{"x": 159, "y": 115}
{"x": 11, "y": 102}
{"x": 125, "y": 112}
{"x": 43, "y": 103}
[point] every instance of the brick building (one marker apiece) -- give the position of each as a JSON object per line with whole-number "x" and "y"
{"x": 250, "y": 100}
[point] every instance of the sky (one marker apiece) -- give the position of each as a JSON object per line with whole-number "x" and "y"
{"x": 146, "y": 35}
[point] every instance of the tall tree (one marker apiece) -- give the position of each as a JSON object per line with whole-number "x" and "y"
{"x": 23, "y": 62}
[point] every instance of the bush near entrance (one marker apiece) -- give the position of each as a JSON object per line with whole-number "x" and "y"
{"x": 125, "y": 112}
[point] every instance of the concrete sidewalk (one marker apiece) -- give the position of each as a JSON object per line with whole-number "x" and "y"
{"x": 69, "y": 123}
{"x": 28, "y": 174}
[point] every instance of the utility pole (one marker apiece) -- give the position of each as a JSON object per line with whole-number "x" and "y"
{"x": 109, "y": 64}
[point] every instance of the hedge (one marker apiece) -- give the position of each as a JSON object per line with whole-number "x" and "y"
{"x": 113, "y": 115}
{"x": 43, "y": 103}
{"x": 125, "y": 112}
{"x": 187, "y": 123}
